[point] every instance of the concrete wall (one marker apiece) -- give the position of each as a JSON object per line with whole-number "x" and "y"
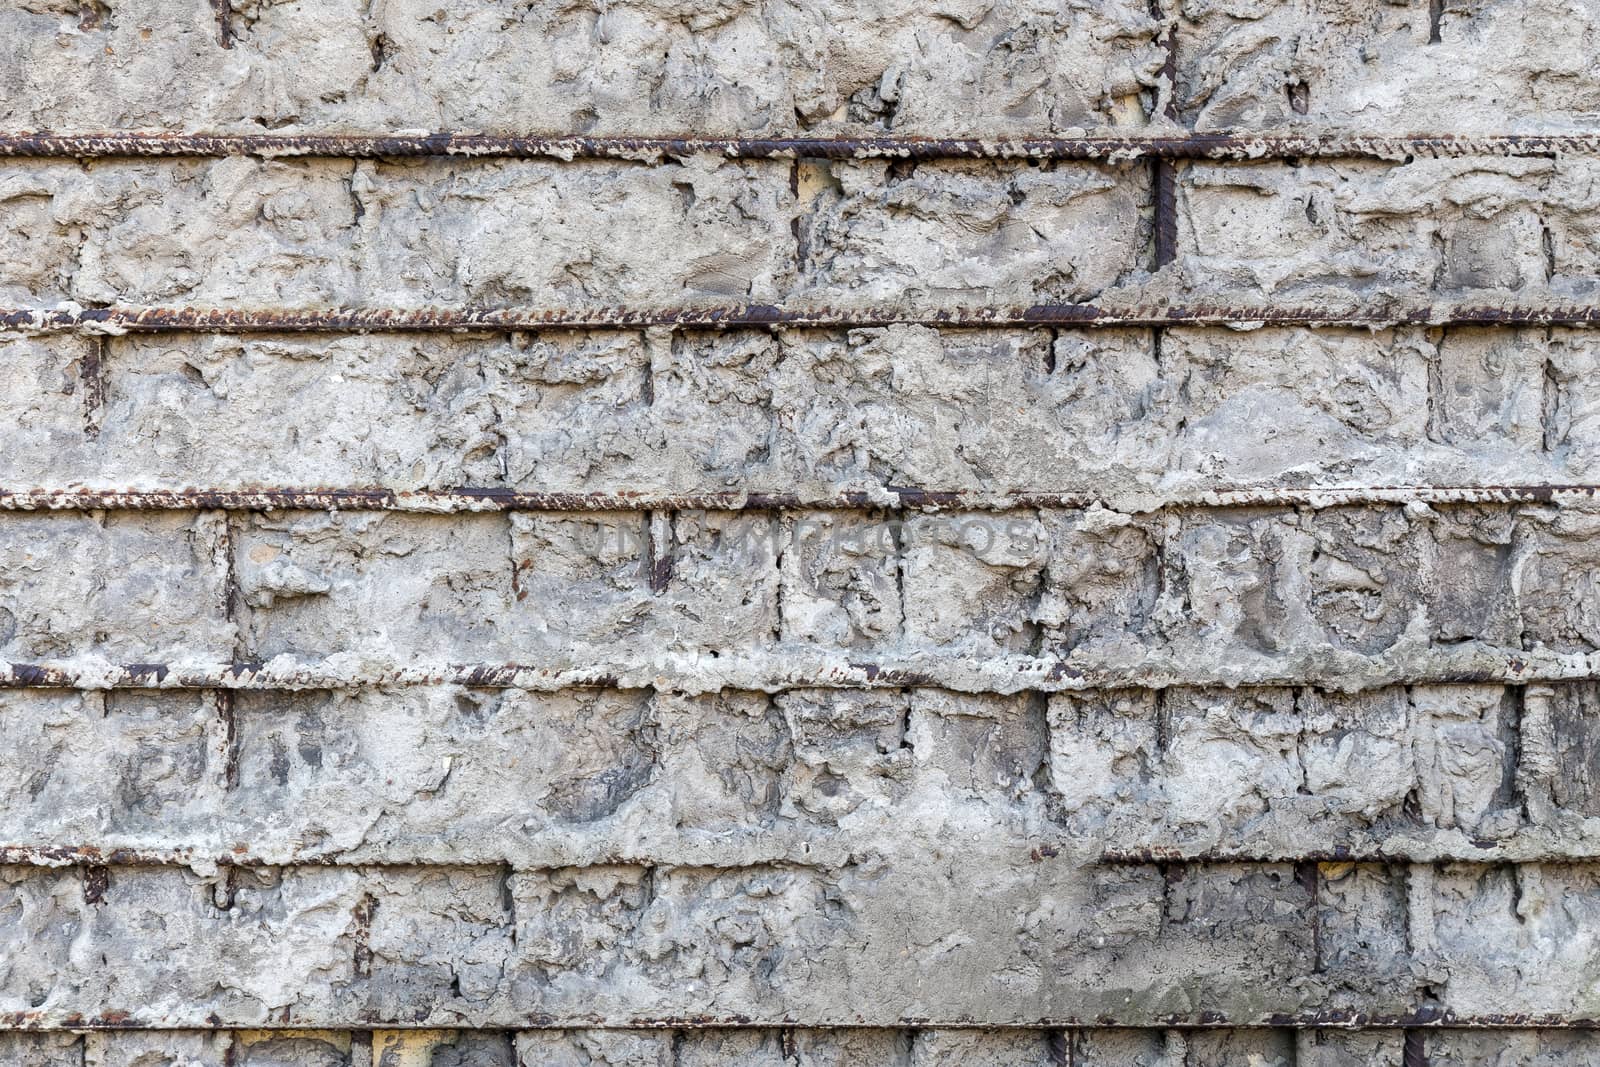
{"x": 1100, "y": 596}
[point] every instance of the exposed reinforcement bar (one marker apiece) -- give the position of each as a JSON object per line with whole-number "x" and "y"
{"x": 1423, "y": 1017}
{"x": 465, "y": 500}
{"x": 1524, "y": 847}
{"x": 1094, "y": 147}
{"x": 280, "y": 320}
{"x": 794, "y": 666}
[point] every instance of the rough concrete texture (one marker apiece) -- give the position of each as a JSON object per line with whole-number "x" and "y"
{"x": 1343, "y": 596}
{"x": 314, "y": 233}
{"x": 1382, "y": 66}
{"x": 1109, "y": 414}
{"x": 1384, "y": 230}
{"x": 789, "y": 1047}
{"x": 867, "y": 691}
{"x": 957, "y": 67}
{"x": 806, "y": 1047}
{"x": 878, "y": 238}
{"x": 620, "y": 944}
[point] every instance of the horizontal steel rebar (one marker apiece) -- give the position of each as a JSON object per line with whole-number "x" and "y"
{"x": 452, "y": 501}
{"x": 228, "y": 320}
{"x": 793, "y": 666}
{"x": 1520, "y": 848}
{"x": 1154, "y": 145}
{"x": 1524, "y": 847}
{"x": 1425, "y": 1017}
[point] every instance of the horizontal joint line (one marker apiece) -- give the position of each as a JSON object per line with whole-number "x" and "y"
{"x": 1217, "y": 146}
{"x": 470, "y": 500}
{"x": 128, "y": 319}
{"x": 789, "y": 667}
{"x": 1434, "y": 1019}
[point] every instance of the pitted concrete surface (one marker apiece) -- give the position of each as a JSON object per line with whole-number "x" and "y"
{"x": 1036, "y": 691}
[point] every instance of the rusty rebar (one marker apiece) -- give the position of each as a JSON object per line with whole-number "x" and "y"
{"x": 790, "y": 666}
{"x": 887, "y": 498}
{"x": 130, "y": 319}
{"x": 1110, "y": 147}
